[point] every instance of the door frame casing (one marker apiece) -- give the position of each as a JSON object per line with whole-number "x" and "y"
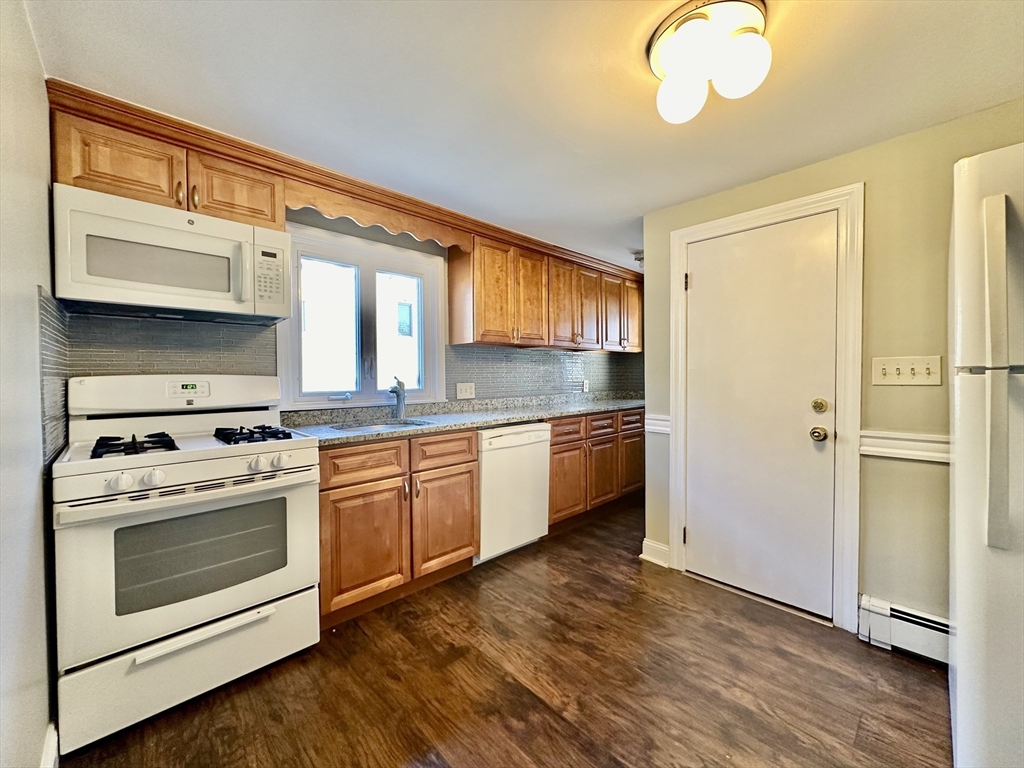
{"x": 848, "y": 203}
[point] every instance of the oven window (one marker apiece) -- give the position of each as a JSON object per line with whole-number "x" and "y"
{"x": 169, "y": 561}
{"x": 156, "y": 265}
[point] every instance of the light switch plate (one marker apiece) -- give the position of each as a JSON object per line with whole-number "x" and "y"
{"x": 586, "y": 385}
{"x": 465, "y": 391}
{"x": 907, "y": 371}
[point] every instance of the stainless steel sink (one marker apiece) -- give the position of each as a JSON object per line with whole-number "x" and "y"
{"x": 381, "y": 426}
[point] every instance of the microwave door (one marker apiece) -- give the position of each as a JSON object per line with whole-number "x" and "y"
{"x": 114, "y": 252}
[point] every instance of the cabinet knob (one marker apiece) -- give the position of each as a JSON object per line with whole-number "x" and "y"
{"x": 179, "y": 193}
{"x": 195, "y": 196}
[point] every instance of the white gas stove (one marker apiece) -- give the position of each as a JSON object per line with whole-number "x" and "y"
{"x": 186, "y": 535}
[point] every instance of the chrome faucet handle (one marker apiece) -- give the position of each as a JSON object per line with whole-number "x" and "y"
{"x": 398, "y": 386}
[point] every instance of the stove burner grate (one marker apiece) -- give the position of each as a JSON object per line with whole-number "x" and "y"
{"x": 258, "y": 434}
{"x": 108, "y": 445}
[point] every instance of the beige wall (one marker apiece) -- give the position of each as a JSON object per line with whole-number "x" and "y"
{"x": 908, "y": 201}
{"x": 24, "y": 264}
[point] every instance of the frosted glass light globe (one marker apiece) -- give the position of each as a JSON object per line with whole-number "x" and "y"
{"x": 743, "y": 65}
{"x": 691, "y": 49}
{"x": 681, "y": 97}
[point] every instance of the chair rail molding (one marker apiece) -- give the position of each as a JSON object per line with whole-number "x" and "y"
{"x": 848, "y": 203}
{"x": 905, "y": 445}
{"x": 657, "y": 425}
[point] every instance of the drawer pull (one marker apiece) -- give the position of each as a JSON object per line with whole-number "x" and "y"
{"x": 192, "y": 638}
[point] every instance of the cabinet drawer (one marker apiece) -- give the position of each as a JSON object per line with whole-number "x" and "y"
{"x": 602, "y": 425}
{"x": 568, "y": 430}
{"x": 356, "y": 464}
{"x": 629, "y": 420}
{"x": 442, "y": 450}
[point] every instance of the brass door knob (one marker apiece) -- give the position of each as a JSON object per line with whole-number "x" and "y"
{"x": 818, "y": 405}
{"x": 819, "y": 434}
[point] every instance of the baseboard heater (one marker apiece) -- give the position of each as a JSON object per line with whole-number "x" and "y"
{"x": 892, "y": 626}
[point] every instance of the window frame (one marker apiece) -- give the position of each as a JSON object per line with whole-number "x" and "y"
{"x": 368, "y": 257}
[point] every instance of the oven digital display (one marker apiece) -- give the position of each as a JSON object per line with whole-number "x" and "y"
{"x": 189, "y": 386}
{"x": 188, "y": 389}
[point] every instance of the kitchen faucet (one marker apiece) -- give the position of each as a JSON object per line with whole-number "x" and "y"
{"x": 398, "y": 390}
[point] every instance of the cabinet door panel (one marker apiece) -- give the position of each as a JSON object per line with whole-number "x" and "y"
{"x": 631, "y": 460}
{"x": 562, "y": 303}
{"x": 365, "y": 539}
{"x": 531, "y": 299}
{"x": 602, "y": 470}
{"x": 445, "y": 517}
{"x": 105, "y": 159}
{"x": 228, "y": 190}
{"x": 588, "y": 297}
{"x": 611, "y": 317}
{"x": 494, "y": 291}
{"x": 632, "y": 316}
{"x": 568, "y": 490}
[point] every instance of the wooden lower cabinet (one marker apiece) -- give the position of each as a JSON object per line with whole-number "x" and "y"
{"x": 567, "y": 481}
{"x": 602, "y": 470}
{"x": 445, "y": 518}
{"x": 631, "y": 461}
{"x": 365, "y": 541}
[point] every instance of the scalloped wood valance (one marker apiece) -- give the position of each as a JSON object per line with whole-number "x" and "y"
{"x": 335, "y": 205}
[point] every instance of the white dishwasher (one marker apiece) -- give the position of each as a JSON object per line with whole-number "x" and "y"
{"x": 514, "y": 462}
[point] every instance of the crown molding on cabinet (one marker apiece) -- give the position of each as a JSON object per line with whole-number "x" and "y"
{"x": 76, "y": 100}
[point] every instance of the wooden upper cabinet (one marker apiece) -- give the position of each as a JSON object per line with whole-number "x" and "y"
{"x": 445, "y": 517}
{"x": 612, "y": 337}
{"x": 105, "y": 159}
{"x": 531, "y": 299}
{"x": 365, "y": 541}
{"x": 494, "y": 291}
{"x": 589, "y": 290}
{"x": 632, "y": 316}
{"x": 562, "y": 302}
{"x": 229, "y": 190}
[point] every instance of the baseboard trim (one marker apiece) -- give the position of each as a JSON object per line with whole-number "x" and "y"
{"x": 51, "y": 752}
{"x": 905, "y": 445}
{"x": 655, "y": 552}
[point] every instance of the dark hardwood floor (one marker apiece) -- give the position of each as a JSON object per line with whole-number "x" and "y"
{"x": 571, "y": 652}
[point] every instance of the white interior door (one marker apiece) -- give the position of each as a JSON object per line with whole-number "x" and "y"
{"x": 760, "y": 347}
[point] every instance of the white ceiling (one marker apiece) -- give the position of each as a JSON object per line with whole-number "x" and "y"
{"x": 537, "y": 116}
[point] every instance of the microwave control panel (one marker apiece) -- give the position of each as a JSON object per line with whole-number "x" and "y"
{"x": 269, "y": 276}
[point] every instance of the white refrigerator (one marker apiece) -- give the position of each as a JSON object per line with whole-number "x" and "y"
{"x": 986, "y": 334}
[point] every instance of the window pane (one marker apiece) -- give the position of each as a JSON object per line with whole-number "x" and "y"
{"x": 330, "y": 336}
{"x": 399, "y": 330}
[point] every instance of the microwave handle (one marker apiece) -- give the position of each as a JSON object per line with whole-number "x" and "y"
{"x": 246, "y": 292}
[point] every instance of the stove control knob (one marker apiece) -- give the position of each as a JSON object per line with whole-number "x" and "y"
{"x": 259, "y": 464}
{"x": 280, "y": 461}
{"x": 154, "y": 477}
{"x": 121, "y": 482}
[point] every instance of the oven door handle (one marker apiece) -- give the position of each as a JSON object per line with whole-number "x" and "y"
{"x": 69, "y": 514}
{"x": 154, "y": 652}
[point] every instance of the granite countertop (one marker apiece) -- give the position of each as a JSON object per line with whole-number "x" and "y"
{"x": 450, "y": 422}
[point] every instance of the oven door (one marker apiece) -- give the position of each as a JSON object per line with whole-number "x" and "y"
{"x": 114, "y": 250}
{"x": 131, "y": 578}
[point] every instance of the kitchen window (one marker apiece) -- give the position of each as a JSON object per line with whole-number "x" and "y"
{"x": 363, "y": 314}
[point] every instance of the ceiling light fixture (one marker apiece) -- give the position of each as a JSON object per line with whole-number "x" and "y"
{"x": 717, "y": 40}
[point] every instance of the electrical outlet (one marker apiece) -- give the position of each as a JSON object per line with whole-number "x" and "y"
{"x": 465, "y": 391}
{"x": 907, "y": 371}
{"x": 586, "y": 385}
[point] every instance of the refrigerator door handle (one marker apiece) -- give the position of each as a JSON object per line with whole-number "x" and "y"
{"x": 997, "y": 532}
{"x": 995, "y": 281}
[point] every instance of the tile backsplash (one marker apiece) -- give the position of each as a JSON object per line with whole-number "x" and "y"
{"x": 54, "y": 371}
{"x": 511, "y": 372}
{"x": 111, "y": 346}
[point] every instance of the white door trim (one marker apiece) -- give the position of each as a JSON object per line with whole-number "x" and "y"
{"x": 848, "y": 202}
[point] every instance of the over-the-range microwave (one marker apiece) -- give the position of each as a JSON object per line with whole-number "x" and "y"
{"x": 113, "y": 255}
